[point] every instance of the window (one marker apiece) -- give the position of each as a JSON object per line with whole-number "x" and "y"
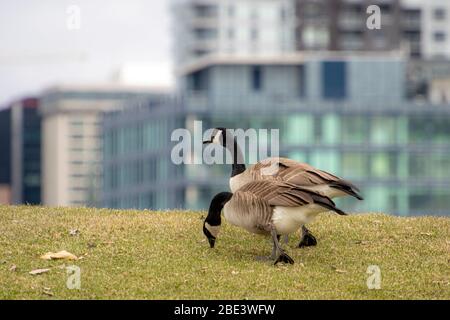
{"x": 334, "y": 80}
{"x": 283, "y": 14}
{"x": 301, "y": 81}
{"x": 205, "y": 33}
{"x": 230, "y": 33}
{"x": 199, "y": 80}
{"x": 256, "y": 78}
{"x": 439, "y": 13}
{"x": 439, "y": 36}
{"x": 254, "y": 14}
{"x": 254, "y": 34}
{"x": 231, "y": 10}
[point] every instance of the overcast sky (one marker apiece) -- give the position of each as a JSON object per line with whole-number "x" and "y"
{"x": 38, "y": 50}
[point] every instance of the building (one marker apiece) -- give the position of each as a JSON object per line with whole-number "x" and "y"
{"x": 332, "y": 111}
{"x": 420, "y": 26}
{"x": 72, "y": 140}
{"x": 138, "y": 172}
{"x": 341, "y": 25}
{"x": 232, "y": 27}
{"x": 20, "y": 176}
{"x": 5, "y": 156}
{"x": 435, "y": 25}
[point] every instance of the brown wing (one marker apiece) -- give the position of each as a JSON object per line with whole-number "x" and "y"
{"x": 284, "y": 194}
{"x": 300, "y": 174}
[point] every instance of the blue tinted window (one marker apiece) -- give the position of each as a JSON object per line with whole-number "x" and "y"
{"x": 334, "y": 80}
{"x": 256, "y": 78}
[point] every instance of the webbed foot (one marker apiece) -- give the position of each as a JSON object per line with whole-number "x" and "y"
{"x": 283, "y": 257}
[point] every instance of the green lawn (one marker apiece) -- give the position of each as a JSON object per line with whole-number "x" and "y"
{"x": 164, "y": 255}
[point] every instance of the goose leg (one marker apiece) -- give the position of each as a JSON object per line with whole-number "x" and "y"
{"x": 282, "y": 256}
{"x": 272, "y": 256}
{"x": 307, "y": 239}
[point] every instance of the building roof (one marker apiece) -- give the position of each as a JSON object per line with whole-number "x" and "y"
{"x": 286, "y": 59}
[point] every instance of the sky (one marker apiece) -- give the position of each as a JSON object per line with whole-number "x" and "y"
{"x": 41, "y": 44}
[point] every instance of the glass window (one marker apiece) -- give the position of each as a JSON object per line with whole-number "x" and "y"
{"x": 354, "y": 165}
{"x": 257, "y": 82}
{"x": 254, "y": 34}
{"x": 354, "y": 129}
{"x": 231, "y": 10}
{"x": 439, "y": 13}
{"x": 383, "y": 165}
{"x": 383, "y": 130}
{"x": 440, "y": 36}
{"x": 334, "y": 80}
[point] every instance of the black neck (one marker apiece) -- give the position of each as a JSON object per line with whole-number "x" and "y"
{"x": 216, "y": 206}
{"x": 238, "y": 165}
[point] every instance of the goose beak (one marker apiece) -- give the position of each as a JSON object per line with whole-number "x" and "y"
{"x": 211, "y": 241}
{"x": 207, "y": 141}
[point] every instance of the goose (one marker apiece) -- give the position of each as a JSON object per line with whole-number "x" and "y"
{"x": 300, "y": 174}
{"x": 267, "y": 207}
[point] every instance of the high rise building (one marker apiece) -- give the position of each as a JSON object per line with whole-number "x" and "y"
{"x": 435, "y": 25}
{"x": 421, "y": 27}
{"x": 231, "y": 27}
{"x": 5, "y": 156}
{"x": 20, "y": 159}
{"x": 72, "y": 140}
{"x": 341, "y": 25}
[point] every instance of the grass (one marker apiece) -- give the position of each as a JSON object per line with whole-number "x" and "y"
{"x": 164, "y": 255}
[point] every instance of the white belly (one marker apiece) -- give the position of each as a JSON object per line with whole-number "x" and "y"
{"x": 289, "y": 219}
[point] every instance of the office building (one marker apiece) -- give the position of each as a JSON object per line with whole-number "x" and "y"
{"x": 72, "y": 140}
{"x": 421, "y": 27}
{"x": 231, "y": 27}
{"x": 20, "y": 176}
{"x": 5, "y": 156}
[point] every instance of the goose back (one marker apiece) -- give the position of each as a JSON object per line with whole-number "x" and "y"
{"x": 300, "y": 174}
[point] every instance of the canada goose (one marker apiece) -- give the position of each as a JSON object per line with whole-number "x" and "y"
{"x": 267, "y": 207}
{"x": 300, "y": 174}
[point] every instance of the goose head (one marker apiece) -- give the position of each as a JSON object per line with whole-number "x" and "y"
{"x": 218, "y": 136}
{"x": 211, "y": 225}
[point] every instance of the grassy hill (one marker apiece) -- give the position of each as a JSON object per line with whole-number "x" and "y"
{"x": 164, "y": 255}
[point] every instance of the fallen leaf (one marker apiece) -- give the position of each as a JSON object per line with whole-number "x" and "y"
{"x": 426, "y": 234}
{"x": 48, "y": 292}
{"x": 59, "y": 255}
{"x": 340, "y": 271}
{"x": 39, "y": 271}
{"x": 234, "y": 272}
{"x": 13, "y": 268}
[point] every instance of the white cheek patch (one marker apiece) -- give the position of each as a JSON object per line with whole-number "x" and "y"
{"x": 214, "y": 230}
{"x": 216, "y": 138}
